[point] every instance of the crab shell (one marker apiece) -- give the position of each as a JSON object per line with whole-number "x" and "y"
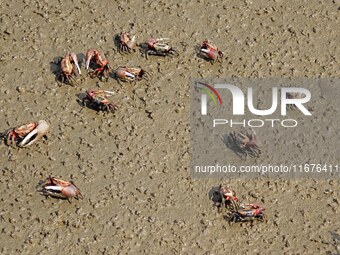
{"x": 127, "y": 41}
{"x": 128, "y": 74}
{"x": 228, "y": 193}
{"x": 96, "y": 56}
{"x": 160, "y": 44}
{"x": 23, "y": 130}
{"x": 98, "y": 96}
{"x": 207, "y": 45}
{"x": 61, "y": 189}
{"x": 66, "y": 63}
{"x": 212, "y": 54}
{"x": 151, "y": 42}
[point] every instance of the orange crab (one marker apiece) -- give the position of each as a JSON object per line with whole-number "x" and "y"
{"x": 68, "y": 66}
{"x": 27, "y": 134}
{"x": 126, "y": 42}
{"x": 97, "y": 99}
{"x": 58, "y": 188}
{"x": 124, "y": 73}
{"x": 160, "y": 47}
{"x": 98, "y": 57}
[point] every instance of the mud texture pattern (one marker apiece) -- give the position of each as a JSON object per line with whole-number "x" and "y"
{"x": 133, "y": 166}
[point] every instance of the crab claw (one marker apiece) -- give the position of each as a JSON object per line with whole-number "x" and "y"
{"x": 109, "y": 93}
{"x": 121, "y": 73}
{"x": 130, "y": 75}
{"x": 212, "y": 54}
{"x": 75, "y": 60}
{"x": 89, "y": 55}
{"x": 132, "y": 43}
{"x": 163, "y": 39}
{"x": 67, "y": 192}
{"x": 39, "y": 131}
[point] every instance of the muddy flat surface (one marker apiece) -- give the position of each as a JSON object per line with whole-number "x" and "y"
{"x": 133, "y": 166}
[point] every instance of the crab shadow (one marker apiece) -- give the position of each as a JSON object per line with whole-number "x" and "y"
{"x": 38, "y": 186}
{"x": 80, "y": 98}
{"x": 116, "y": 41}
{"x": 113, "y": 75}
{"x": 215, "y": 195}
{"x": 3, "y": 138}
{"x": 143, "y": 48}
{"x": 230, "y": 144}
{"x": 55, "y": 67}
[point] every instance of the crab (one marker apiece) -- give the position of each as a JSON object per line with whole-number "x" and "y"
{"x": 126, "y": 42}
{"x": 68, "y": 69}
{"x": 130, "y": 74}
{"x": 27, "y": 134}
{"x": 247, "y": 212}
{"x": 227, "y": 199}
{"x": 58, "y": 188}
{"x": 97, "y": 99}
{"x": 210, "y": 52}
{"x": 97, "y": 57}
{"x": 247, "y": 144}
{"x": 160, "y": 47}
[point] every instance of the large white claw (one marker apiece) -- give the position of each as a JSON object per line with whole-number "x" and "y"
{"x": 89, "y": 55}
{"x": 109, "y": 93}
{"x": 205, "y": 50}
{"x": 39, "y": 131}
{"x": 130, "y": 75}
{"x": 75, "y": 59}
{"x": 56, "y": 188}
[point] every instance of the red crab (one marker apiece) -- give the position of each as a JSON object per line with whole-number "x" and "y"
{"x": 211, "y": 52}
{"x": 247, "y": 212}
{"x": 55, "y": 187}
{"x": 27, "y": 134}
{"x": 97, "y": 99}
{"x": 226, "y": 199}
{"x": 97, "y": 57}
{"x": 68, "y": 66}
